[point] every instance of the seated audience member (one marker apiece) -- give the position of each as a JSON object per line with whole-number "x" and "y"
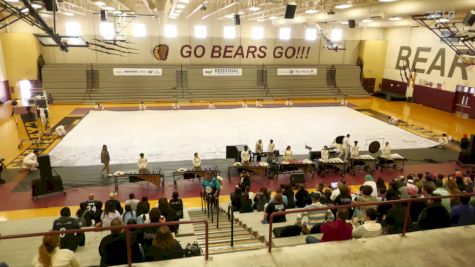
{"x": 261, "y": 199}
{"x": 132, "y": 202}
{"x": 380, "y": 183}
{"x": 142, "y": 106}
{"x": 66, "y": 222}
{"x": 370, "y": 227}
{"x": 168, "y": 213}
{"x": 49, "y": 254}
{"x": 325, "y": 199}
{"x": 113, "y": 247}
{"x": 142, "y": 164}
{"x": 143, "y": 207}
{"x": 366, "y": 196}
{"x": 443, "y": 141}
{"x": 395, "y": 217}
{"x": 129, "y": 214}
{"x": 96, "y": 215}
{"x": 60, "y": 131}
{"x": 453, "y": 189}
{"x": 416, "y": 206}
{"x": 370, "y": 181}
{"x": 344, "y": 198}
{"x": 336, "y": 191}
{"x": 463, "y": 213}
{"x": 439, "y": 190}
{"x": 92, "y": 203}
{"x": 275, "y": 206}
{"x": 147, "y": 235}
{"x": 337, "y": 230}
{"x": 434, "y": 216}
{"x": 196, "y": 162}
{"x": 302, "y": 197}
{"x": 110, "y": 213}
{"x": 245, "y": 155}
{"x": 246, "y": 204}
{"x": 164, "y": 247}
{"x": 284, "y": 197}
{"x": 316, "y": 218}
{"x": 114, "y": 202}
{"x": 30, "y": 162}
{"x": 176, "y": 204}
{"x": 236, "y": 198}
{"x": 84, "y": 215}
{"x": 289, "y": 193}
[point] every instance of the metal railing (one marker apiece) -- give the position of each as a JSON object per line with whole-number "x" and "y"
{"x": 208, "y": 204}
{"x": 124, "y": 227}
{"x": 333, "y": 207}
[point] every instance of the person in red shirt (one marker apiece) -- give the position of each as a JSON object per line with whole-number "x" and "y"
{"x": 337, "y": 230}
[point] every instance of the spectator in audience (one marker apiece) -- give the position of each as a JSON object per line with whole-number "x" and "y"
{"x": 196, "y": 162}
{"x": 113, "y": 248}
{"x": 468, "y": 184}
{"x": 129, "y": 214}
{"x": 416, "y": 206}
{"x": 380, "y": 183}
{"x": 453, "y": 189}
{"x": 143, "y": 207}
{"x": 302, "y": 197}
{"x": 395, "y": 217}
{"x": 337, "y": 230}
{"x": 288, "y": 155}
{"x": 366, "y": 196}
{"x": 370, "y": 181}
{"x": 463, "y": 213}
{"x": 142, "y": 164}
{"x": 261, "y": 199}
{"x": 176, "y": 204}
{"x": 96, "y": 215}
{"x": 327, "y": 192}
{"x": 460, "y": 183}
{"x": 344, "y": 198}
{"x": 275, "y": 206}
{"x": 66, "y": 222}
{"x": 245, "y": 155}
{"x": 236, "y": 198}
{"x": 105, "y": 159}
{"x": 164, "y": 247}
{"x": 319, "y": 189}
{"x": 114, "y": 202}
{"x": 168, "y": 213}
{"x": 110, "y": 213}
{"x": 316, "y": 218}
{"x": 92, "y": 203}
{"x": 289, "y": 193}
{"x": 245, "y": 180}
{"x": 336, "y": 191}
{"x": 50, "y": 255}
{"x": 132, "y": 202}
{"x": 246, "y": 204}
{"x": 370, "y": 227}
{"x": 147, "y": 235}
{"x": 284, "y": 197}
{"x": 434, "y": 215}
{"x": 84, "y": 215}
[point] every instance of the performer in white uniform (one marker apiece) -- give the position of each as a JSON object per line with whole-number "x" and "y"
{"x": 245, "y": 155}
{"x": 30, "y": 162}
{"x": 43, "y": 116}
{"x": 288, "y": 154}
{"x": 176, "y": 106}
{"x": 244, "y": 104}
{"x": 99, "y": 107}
{"x": 259, "y": 103}
{"x": 443, "y": 141}
{"x": 288, "y": 103}
{"x": 345, "y": 147}
{"x": 325, "y": 154}
{"x": 259, "y": 149}
{"x": 60, "y": 131}
{"x": 355, "y": 150}
{"x": 142, "y": 164}
{"x": 196, "y": 162}
{"x": 142, "y": 106}
{"x": 211, "y": 105}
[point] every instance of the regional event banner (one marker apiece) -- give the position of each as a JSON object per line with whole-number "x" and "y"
{"x": 296, "y": 71}
{"x": 137, "y": 71}
{"x": 222, "y": 72}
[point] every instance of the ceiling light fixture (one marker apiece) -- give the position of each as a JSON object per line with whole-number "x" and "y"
{"x": 273, "y": 17}
{"x": 229, "y": 16}
{"x": 443, "y": 20}
{"x": 311, "y": 11}
{"x": 99, "y": 3}
{"x": 366, "y": 20}
{"x": 254, "y": 8}
{"x": 69, "y": 14}
{"x": 109, "y": 8}
{"x": 184, "y": 1}
{"x": 387, "y": 1}
{"x": 395, "y": 18}
{"x": 344, "y": 6}
{"x": 180, "y": 6}
{"x": 36, "y": 6}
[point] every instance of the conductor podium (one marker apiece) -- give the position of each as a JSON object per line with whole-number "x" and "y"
{"x": 48, "y": 183}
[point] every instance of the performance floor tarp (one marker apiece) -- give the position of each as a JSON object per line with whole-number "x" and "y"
{"x": 176, "y": 135}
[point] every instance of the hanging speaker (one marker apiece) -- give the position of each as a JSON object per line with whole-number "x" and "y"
{"x": 290, "y": 10}
{"x": 351, "y": 23}
{"x": 469, "y": 20}
{"x": 237, "y": 19}
{"x": 103, "y": 15}
{"x": 50, "y": 5}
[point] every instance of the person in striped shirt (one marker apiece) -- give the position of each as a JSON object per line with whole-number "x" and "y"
{"x": 316, "y": 217}
{"x": 370, "y": 228}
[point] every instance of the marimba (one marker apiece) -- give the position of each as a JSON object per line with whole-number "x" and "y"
{"x": 395, "y": 161}
{"x": 155, "y": 177}
{"x": 307, "y": 166}
{"x": 362, "y": 161}
{"x": 184, "y": 173}
{"x": 258, "y": 168}
{"x": 334, "y": 163}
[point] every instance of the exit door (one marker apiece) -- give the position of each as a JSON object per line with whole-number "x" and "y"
{"x": 464, "y": 101}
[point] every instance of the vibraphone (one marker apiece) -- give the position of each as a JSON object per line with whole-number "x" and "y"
{"x": 307, "y": 167}
{"x": 252, "y": 167}
{"x": 395, "y": 161}
{"x": 332, "y": 163}
{"x": 363, "y": 162}
{"x": 275, "y": 154}
{"x": 177, "y": 175}
{"x": 155, "y": 177}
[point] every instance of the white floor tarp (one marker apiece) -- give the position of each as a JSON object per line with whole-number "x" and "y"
{"x": 176, "y": 135}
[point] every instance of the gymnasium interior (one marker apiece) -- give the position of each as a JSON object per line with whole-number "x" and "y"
{"x": 262, "y": 133}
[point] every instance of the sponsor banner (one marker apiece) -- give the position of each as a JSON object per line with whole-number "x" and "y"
{"x": 296, "y": 71}
{"x": 137, "y": 71}
{"x": 222, "y": 72}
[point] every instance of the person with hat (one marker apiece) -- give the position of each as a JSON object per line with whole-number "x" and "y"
{"x": 370, "y": 181}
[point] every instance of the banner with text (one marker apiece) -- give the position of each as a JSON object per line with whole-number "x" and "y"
{"x": 222, "y": 72}
{"x": 296, "y": 71}
{"x": 137, "y": 71}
